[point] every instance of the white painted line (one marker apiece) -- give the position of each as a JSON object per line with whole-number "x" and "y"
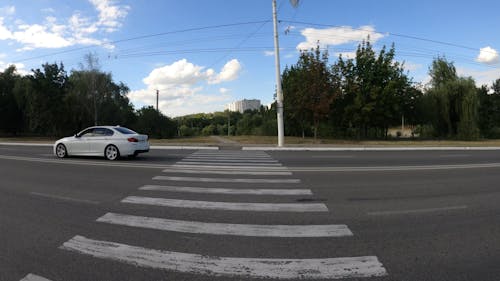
{"x": 205, "y": 190}
{"x": 253, "y": 230}
{"x": 51, "y": 196}
{"x": 281, "y": 168}
{"x": 184, "y": 147}
{"x": 231, "y": 180}
{"x": 333, "y": 156}
{"x": 33, "y": 277}
{"x": 454, "y": 155}
{"x": 329, "y": 268}
{"x": 83, "y": 162}
{"x": 228, "y": 206}
{"x": 417, "y": 211}
{"x": 213, "y": 163}
{"x": 213, "y": 156}
{"x": 26, "y": 144}
{"x": 222, "y": 172}
{"x": 361, "y": 148}
{"x": 230, "y": 160}
{"x": 394, "y": 168}
{"x": 220, "y": 154}
{"x": 229, "y": 152}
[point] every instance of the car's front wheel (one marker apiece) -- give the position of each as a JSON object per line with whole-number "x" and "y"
{"x": 61, "y": 151}
{"x": 111, "y": 152}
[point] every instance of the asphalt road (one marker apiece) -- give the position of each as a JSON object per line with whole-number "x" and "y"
{"x": 193, "y": 215}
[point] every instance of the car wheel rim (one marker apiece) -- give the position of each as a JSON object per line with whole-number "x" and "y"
{"x": 111, "y": 153}
{"x": 61, "y": 151}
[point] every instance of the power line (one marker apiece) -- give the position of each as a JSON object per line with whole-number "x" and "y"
{"x": 144, "y": 37}
{"x": 391, "y": 33}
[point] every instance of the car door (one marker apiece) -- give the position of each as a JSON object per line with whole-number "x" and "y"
{"x": 98, "y": 141}
{"x": 80, "y": 144}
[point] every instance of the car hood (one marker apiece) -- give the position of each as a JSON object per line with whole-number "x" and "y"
{"x": 66, "y": 139}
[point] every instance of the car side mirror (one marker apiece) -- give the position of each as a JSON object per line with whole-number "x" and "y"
{"x": 77, "y": 135}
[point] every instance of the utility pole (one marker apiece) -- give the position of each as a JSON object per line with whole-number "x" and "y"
{"x": 279, "y": 91}
{"x": 157, "y": 97}
{"x": 228, "y": 122}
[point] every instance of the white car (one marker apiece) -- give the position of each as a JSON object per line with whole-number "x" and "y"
{"x": 108, "y": 141}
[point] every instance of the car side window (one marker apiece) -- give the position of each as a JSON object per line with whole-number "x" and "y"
{"x": 108, "y": 132}
{"x": 87, "y": 133}
{"x": 98, "y": 132}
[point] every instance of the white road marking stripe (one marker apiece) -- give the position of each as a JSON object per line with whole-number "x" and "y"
{"x": 212, "y": 163}
{"x": 166, "y": 178}
{"x": 227, "y": 152}
{"x": 230, "y": 160}
{"x": 220, "y": 172}
{"x": 329, "y": 268}
{"x": 228, "y": 206}
{"x": 190, "y": 189}
{"x": 33, "y": 277}
{"x": 220, "y": 154}
{"x": 232, "y": 167}
{"x": 417, "y": 211}
{"x": 64, "y": 198}
{"x": 252, "y": 230}
{"x": 231, "y": 156}
{"x": 333, "y": 156}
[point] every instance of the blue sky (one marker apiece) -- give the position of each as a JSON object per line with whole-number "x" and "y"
{"x": 202, "y": 55}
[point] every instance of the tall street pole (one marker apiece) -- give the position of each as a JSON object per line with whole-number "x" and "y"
{"x": 157, "y": 97}
{"x": 279, "y": 101}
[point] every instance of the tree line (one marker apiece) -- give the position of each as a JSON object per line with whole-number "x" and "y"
{"x": 51, "y": 102}
{"x": 363, "y": 97}
{"x": 358, "y": 98}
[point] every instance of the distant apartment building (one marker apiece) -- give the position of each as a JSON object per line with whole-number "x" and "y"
{"x": 243, "y": 105}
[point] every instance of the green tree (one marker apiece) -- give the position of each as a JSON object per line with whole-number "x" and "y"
{"x": 455, "y": 101}
{"x": 309, "y": 90}
{"x": 12, "y": 115}
{"x": 44, "y": 95}
{"x": 376, "y": 92}
{"x": 154, "y": 123}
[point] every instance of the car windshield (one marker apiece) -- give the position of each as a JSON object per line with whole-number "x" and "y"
{"x": 125, "y": 131}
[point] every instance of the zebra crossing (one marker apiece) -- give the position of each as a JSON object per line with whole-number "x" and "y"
{"x": 242, "y": 170}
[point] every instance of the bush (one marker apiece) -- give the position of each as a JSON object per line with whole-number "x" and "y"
{"x": 425, "y": 131}
{"x": 186, "y": 131}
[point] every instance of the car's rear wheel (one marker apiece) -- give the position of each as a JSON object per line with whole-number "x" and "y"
{"x": 61, "y": 151}
{"x": 111, "y": 152}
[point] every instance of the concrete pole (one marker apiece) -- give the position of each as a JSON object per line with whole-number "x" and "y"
{"x": 157, "y": 98}
{"x": 279, "y": 101}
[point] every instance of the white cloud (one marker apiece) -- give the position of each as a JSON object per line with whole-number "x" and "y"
{"x": 8, "y": 10}
{"x": 337, "y": 36}
{"x": 4, "y": 31}
{"x": 110, "y": 15}
{"x": 229, "y": 72}
{"x": 411, "y": 66}
{"x": 180, "y": 72}
{"x": 48, "y": 10}
{"x": 38, "y": 36}
{"x": 487, "y": 55}
{"x": 482, "y": 77}
{"x": 268, "y": 53}
{"x": 20, "y": 68}
{"x": 63, "y": 32}
{"x": 346, "y": 55}
{"x": 183, "y": 88}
